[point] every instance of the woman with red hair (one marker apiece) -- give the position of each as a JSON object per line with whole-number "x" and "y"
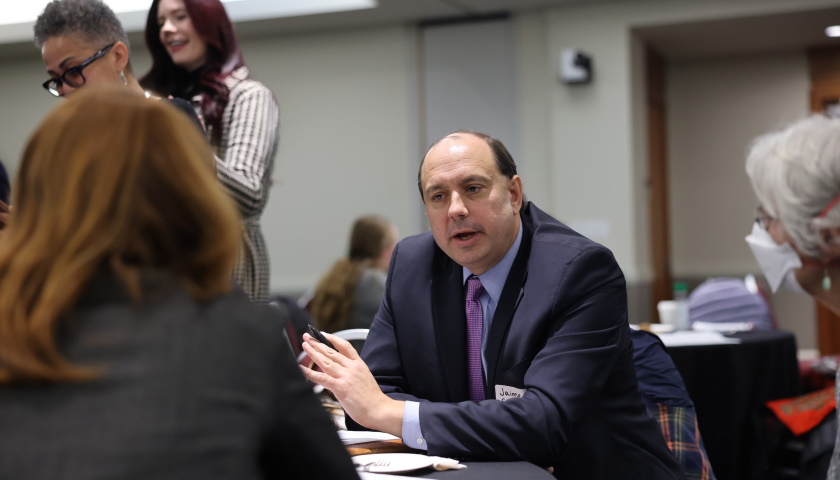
{"x": 195, "y": 56}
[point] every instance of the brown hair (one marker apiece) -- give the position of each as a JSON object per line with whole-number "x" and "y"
{"x": 333, "y": 302}
{"x": 109, "y": 180}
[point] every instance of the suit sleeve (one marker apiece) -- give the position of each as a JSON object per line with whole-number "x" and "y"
{"x": 382, "y": 352}
{"x": 586, "y": 333}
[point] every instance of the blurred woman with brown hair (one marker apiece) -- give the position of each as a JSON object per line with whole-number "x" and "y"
{"x": 124, "y": 351}
{"x": 348, "y": 296}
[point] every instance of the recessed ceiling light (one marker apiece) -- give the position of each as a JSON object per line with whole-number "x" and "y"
{"x": 833, "y": 31}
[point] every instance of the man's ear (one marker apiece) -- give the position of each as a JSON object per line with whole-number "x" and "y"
{"x": 515, "y": 190}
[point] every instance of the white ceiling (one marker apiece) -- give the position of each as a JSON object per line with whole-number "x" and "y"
{"x": 16, "y": 39}
{"x": 736, "y": 36}
{"x": 675, "y": 41}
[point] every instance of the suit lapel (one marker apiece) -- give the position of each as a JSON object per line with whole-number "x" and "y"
{"x": 509, "y": 300}
{"x": 450, "y": 324}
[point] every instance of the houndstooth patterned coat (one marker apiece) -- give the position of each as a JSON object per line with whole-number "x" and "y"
{"x": 244, "y": 162}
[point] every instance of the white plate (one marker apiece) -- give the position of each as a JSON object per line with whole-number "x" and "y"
{"x": 397, "y": 462}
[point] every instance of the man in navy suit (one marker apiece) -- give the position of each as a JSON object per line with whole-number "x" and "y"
{"x": 556, "y": 381}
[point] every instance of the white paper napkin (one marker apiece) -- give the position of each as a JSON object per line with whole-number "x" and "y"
{"x": 443, "y": 463}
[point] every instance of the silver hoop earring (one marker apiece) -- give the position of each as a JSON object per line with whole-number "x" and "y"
{"x": 123, "y": 79}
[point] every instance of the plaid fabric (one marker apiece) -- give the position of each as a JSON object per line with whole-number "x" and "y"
{"x": 679, "y": 427}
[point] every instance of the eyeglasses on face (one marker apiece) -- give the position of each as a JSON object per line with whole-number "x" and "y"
{"x": 73, "y": 76}
{"x": 763, "y": 218}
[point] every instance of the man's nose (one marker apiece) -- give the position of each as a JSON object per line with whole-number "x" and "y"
{"x": 457, "y": 208}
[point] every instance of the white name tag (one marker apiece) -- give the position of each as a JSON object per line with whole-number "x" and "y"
{"x": 503, "y": 392}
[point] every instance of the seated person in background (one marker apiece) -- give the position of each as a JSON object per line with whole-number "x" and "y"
{"x": 666, "y": 399}
{"x": 502, "y": 334}
{"x": 124, "y": 351}
{"x": 5, "y": 188}
{"x": 5, "y": 185}
{"x": 795, "y": 173}
{"x": 349, "y": 295}
{"x": 728, "y": 300}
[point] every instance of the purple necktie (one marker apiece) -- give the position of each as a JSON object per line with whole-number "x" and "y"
{"x": 475, "y": 325}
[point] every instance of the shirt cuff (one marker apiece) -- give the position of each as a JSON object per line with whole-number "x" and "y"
{"x": 411, "y": 434}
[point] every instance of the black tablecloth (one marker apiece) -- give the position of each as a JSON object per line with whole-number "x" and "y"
{"x": 729, "y": 385}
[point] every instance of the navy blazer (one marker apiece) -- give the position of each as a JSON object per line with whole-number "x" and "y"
{"x": 560, "y": 332}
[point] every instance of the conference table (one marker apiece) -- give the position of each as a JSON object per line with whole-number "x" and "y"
{"x": 487, "y": 471}
{"x": 729, "y": 384}
{"x": 475, "y": 470}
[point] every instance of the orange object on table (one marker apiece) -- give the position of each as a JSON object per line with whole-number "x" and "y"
{"x": 801, "y": 414}
{"x": 381, "y": 446}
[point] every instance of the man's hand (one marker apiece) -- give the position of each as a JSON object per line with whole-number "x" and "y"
{"x": 349, "y": 379}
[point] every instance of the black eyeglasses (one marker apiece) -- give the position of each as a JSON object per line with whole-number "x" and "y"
{"x": 73, "y": 76}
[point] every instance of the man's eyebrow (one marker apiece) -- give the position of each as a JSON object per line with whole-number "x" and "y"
{"x": 463, "y": 181}
{"x": 432, "y": 188}
{"x": 475, "y": 178}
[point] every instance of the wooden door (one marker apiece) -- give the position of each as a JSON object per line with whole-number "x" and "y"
{"x": 660, "y": 240}
{"x": 824, "y": 66}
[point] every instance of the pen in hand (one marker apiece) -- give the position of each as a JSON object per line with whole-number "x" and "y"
{"x": 317, "y": 335}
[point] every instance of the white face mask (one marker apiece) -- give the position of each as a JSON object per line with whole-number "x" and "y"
{"x": 778, "y": 262}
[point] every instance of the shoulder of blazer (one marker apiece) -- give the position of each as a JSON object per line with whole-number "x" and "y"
{"x": 548, "y": 230}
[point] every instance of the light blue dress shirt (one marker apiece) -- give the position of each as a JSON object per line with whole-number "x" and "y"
{"x": 493, "y": 281}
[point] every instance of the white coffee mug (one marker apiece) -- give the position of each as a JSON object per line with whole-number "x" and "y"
{"x": 667, "y": 312}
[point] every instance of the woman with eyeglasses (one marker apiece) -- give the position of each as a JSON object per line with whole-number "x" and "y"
{"x": 83, "y": 44}
{"x": 795, "y": 173}
{"x": 195, "y": 56}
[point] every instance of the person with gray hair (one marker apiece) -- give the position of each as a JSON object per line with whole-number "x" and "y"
{"x": 82, "y": 42}
{"x": 795, "y": 173}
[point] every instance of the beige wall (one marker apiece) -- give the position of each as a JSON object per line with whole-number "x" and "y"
{"x": 347, "y": 145}
{"x": 715, "y": 108}
{"x": 23, "y": 103}
{"x": 598, "y": 135}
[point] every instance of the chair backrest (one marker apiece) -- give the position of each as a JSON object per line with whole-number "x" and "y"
{"x": 352, "y": 334}
{"x": 356, "y": 337}
{"x": 666, "y": 399}
{"x": 728, "y": 300}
